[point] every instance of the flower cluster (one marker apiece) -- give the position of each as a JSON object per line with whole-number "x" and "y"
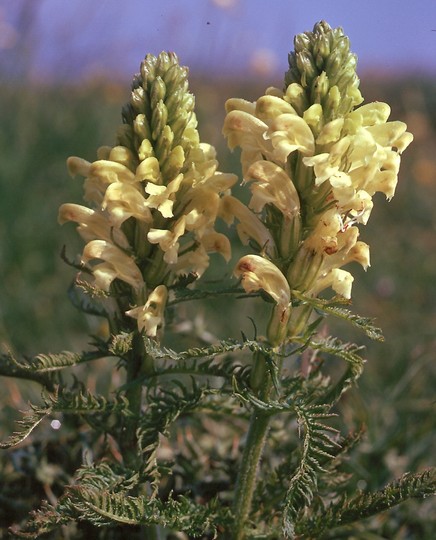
{"x": 153, "y": 197}
{"x": 313, "y": 160}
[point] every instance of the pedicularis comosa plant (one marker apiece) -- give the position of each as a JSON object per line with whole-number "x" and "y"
{"x": 232, "y": 438}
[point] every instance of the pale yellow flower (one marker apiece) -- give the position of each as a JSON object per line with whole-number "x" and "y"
{"x": 271, "y": 185}
{"x": 168, "y": 239}
{"x": 245, "y": 130}
{"x": 339, "y": 280}
{"x": 288, "y": 133}
{"x": 250, "y": 227}
{"x": 117, "y": 264}
{"x": 93, "y": 224}
{"x": 149, "y": 170}
{"x": 150, "y": 316}
{"x": 162, "y": 197}
{"x": 195, "y": 258}
{"x": 202, "y": 210}
{"x": 257, "y": 273}
{"x": 123, "y": 201}
{"x": 101, "y": 174}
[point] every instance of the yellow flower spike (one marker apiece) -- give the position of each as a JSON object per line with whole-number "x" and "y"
{"x": 288, "y": 133}
{"x": 150, "y": 316}
{"x": 117, "y": 264}
{"x": 93, "y": 225}
{"x": 249, "y": 227}
{"x": 123, "y": 201}
{"x": 271, "y": 185}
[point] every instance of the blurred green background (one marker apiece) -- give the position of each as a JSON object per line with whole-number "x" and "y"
{"x": 43, "y": 124}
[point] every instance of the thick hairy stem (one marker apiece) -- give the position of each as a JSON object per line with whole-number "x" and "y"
{"x": 138, "y": 365}
{"x": 248, "y": 472}
{"x": 252, "y": 454}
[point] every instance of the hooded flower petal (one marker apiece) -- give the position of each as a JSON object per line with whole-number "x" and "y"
{"x": 77, "y": 165}
{"x": 243, "y": 129}
{"x": 116, "y": 264}
{"x": 214, "y": 242}
{"x": 93, "y": 225}
{"x": 339, "y": 280}
{"x": 123, "y": 201}
{"x": 149, "y": 170}
{"x": 257, "y": 273}
{"x": 289, "y": 132}
{"x": 272, "y": 186}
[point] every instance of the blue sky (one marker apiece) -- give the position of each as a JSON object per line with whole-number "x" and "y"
{"x": 82, "y": 37}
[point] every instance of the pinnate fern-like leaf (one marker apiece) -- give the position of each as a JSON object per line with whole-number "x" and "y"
{"x": 79, "y": 402}
{"x": 333, "y": 307}
{"x": 21, "y": 369}
{"x": 366, "y": 504}
{"x": 348, "y": 352}
{"x": 181, "y": 514}
{"x": 26, "y": 425}
{"x": 317, "y": 442}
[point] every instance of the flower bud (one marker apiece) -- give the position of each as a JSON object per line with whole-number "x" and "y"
{"x": 157, "y": 93}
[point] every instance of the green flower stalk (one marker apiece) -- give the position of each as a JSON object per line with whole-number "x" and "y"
{"x": 313, "y": 159}
{"x": 153, "y": 198}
